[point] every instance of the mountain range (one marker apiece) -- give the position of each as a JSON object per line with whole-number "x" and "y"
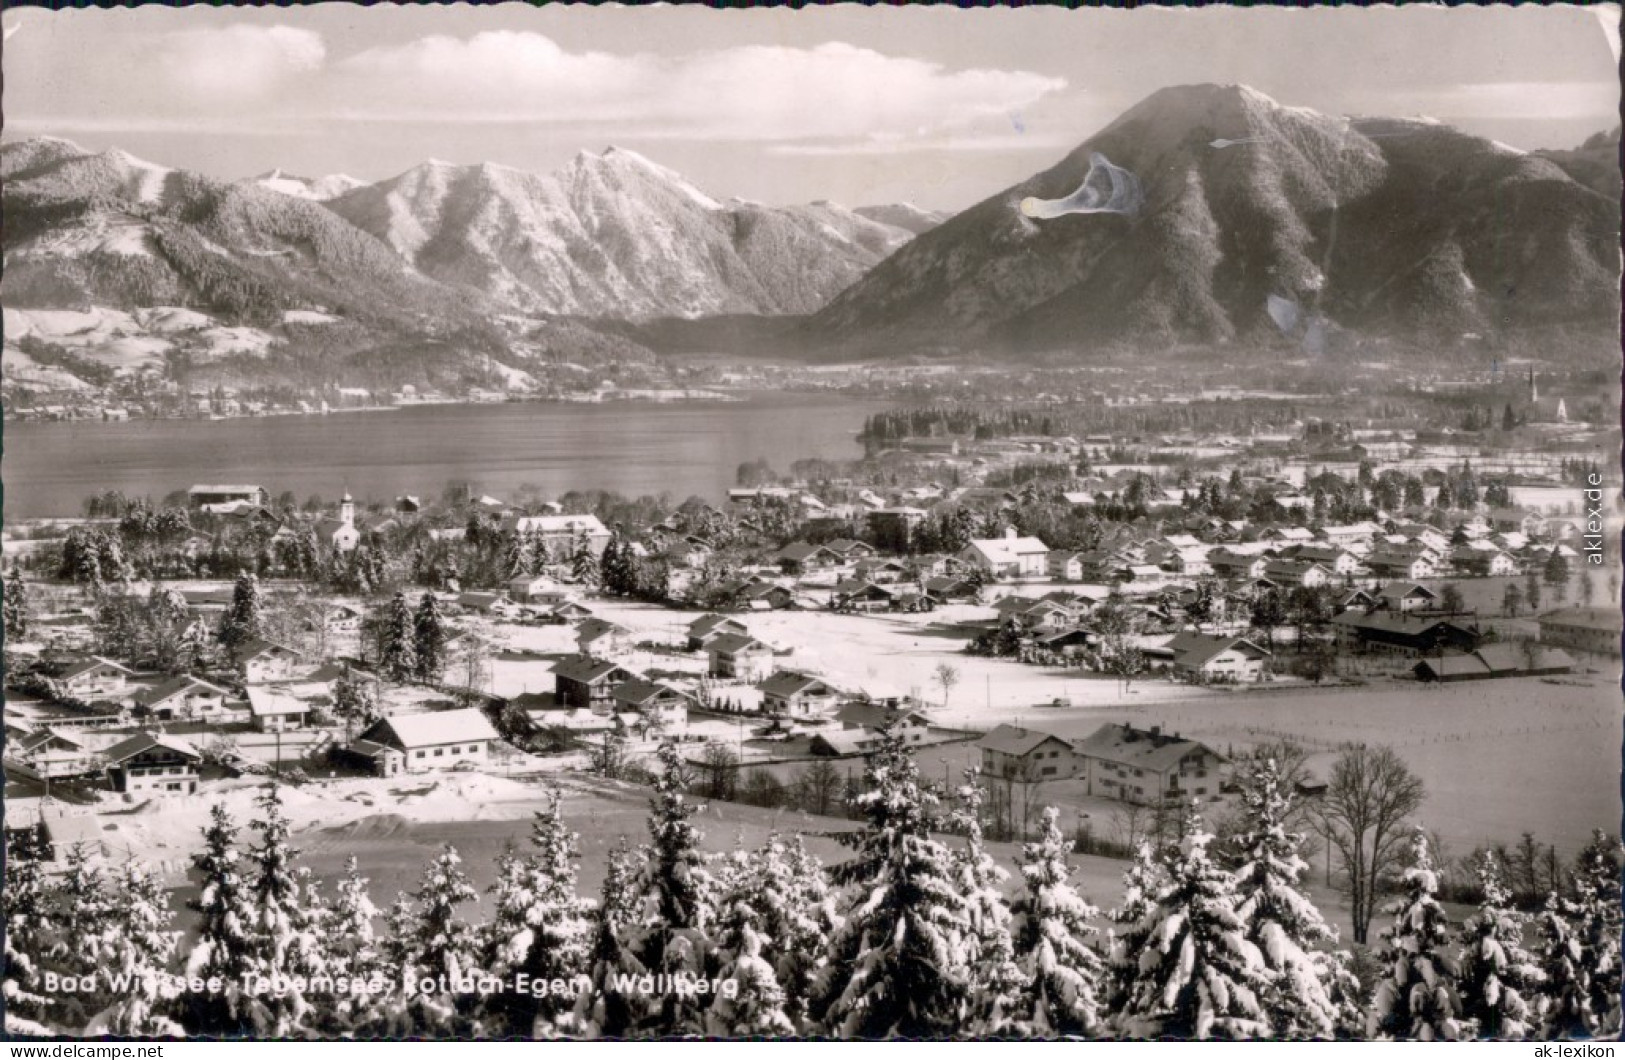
{"x": 1250, "y": 222}
{"x": 616, "y": 235}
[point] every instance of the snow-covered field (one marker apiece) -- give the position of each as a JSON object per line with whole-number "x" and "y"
{"x": 1498, "y": 758}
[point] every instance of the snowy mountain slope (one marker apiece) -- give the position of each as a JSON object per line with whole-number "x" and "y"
{"x": 320, "y": 189}
{"x": 1377, "y": 226}
{"x": 616, "y": 235}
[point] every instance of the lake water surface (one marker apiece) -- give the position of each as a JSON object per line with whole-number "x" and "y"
{"x": 634, "y": 448}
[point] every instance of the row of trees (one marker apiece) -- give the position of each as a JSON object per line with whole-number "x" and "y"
{"x": 911, "y": 936}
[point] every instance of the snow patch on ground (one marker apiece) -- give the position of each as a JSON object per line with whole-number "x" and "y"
{"x": 307, "y": 316}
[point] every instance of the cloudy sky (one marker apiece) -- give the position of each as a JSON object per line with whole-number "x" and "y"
{"x": 937, "y": 106}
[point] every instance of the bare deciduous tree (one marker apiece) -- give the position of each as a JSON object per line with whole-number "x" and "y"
{"x": 946, "y": 676}
{"x": 1369, "y": 795}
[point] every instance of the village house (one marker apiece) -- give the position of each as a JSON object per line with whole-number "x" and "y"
{"x": 155, "y": 763}
{"x": 739, "y": 656}
{"x": 276, "y": 709}
{"x": 559, "y": 534}
{"x": 1494, "y": 661}
{"x": 415, "y": 743}
{"x": 262, "y": 660}
{"x": 1405, "y": 597}
{"x": 217, "y": 498}
{"x": 1213, "y": 657}
{"x": 658, "y": 703}
{"x": 1483, "y": 562}
{"x": 536, "y": 589}
{"x": 588, "y": 682}
{"x": 1010, "y": 556}
{"x": 1025, "y": 754}
{"x": 598, "y": 638}
{"x": 1401, "y": 634}
{"x": 790, "y": 694}
{"x": 1064, "y": 566}
{"x": 1296, "y": 574}
{"x": 1146, "y": 766}
{"x": 1594, "y": 630}
{"x": 1229, "y": 564}
{"x": 703, "y": 630}
{"x": 1514, "y": 520}
{"x": 800, "y": 557}
{"x": 52, "y": 754}
{"x": 182, "y": 698}
{"x": 859, "y": 595}
{"x": 865, "y": 722}
{"x": 94, "y": 678}
{"x": 1338, "y": 562}
{"x": 1400, "y": 562}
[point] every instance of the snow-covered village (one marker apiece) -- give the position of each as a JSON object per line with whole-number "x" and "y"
{"x": 1175, "y": 598}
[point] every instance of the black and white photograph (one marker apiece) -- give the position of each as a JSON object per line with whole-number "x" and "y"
{"x": 565, "y": 522}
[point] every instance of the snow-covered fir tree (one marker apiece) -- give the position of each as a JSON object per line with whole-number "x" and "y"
{"x": 604, "y": 1010}
{"x": 541, "y": 928}
{"x": 144, "y": 943}
{"x": 999, "y": 983}
{"x": 1279, "y": 918}
{"x": 674, "y": 939}
{"x": 797, "y": 910}
{"x": 442, "y": 946}
{"x": 286, "y": 944}
{"x": 1579, "y": 949}
{"x": 351, "y": 944}
{"x": 897, "y": 966}
{"x": 1054, "y": 941}
{"x": 519, "y": 556}
{"x": 1499, "y": 977}
{"x": 1417, "y": 998}
{"x": 86, "y": 922}
{"x": 756, "y": 1008}
{"x": 1598, "y": 926}
{"x": 584, "y": 570}
{"x": 1142, "y": 881}
{"x": 224, "y": 946}
{"x": 1197, "y": 976}
{"x": 244, "y": 619}
{"x": 618, "y": 569}
{"x": 28, "y": 927}
{"x": 355, "y": 699}
{"x": 1565, "y": 1002}
{"x": 429, "y": 640}
{"x": 16, "y": 607}
{"x": 397, "y": 651}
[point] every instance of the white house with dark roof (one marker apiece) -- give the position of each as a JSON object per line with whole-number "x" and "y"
{"x": 155, "y": 763}
{"x": 184, "y": 697}
{"x": 94, "y": 678}
{"x": 792, "y": 694}
{"x": 264, "y": 660}
{"x": 1146, "y": 766}
{"x": 416, "y": 743}
{"x": 655, "y": 701}
{"x": 740, "y": 656}
{"x": 1025, "y": 754}
{"x": 1216, "y": 657}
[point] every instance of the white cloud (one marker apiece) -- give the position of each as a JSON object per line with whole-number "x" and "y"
{"x": 234, "y": 64}
{"x": 745, "y": 93}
